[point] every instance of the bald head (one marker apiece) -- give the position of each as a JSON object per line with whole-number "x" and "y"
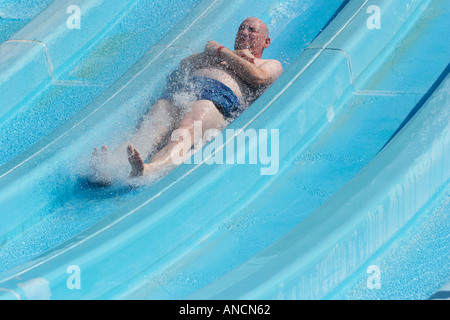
{"x": 253, "y": 35}
{"x": 258, "y": 24}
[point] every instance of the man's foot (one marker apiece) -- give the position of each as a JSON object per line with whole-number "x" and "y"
{"x": 138, "y": 166}
{"x": 98, "y": 164}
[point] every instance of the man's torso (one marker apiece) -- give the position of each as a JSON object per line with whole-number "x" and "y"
{"x": 224, "y": 74}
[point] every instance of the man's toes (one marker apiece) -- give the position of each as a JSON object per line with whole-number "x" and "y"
{"x": 130, "y": 150}
{"x": 94, "y": 157}
{"x": 137, "y": 155}
{"x": 134, "y": 157}
{"x": 104, "y": 153}
{"x": 97, "y": 155}
{"x": 133, "y": 154}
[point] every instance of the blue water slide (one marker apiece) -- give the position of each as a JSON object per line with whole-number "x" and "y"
{"x": 14, "y": 15}
{"x": 361, "y": 119}
{"x": 68, "y": 55}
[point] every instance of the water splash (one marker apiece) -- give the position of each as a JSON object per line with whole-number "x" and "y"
{"x": 282, "y": 12}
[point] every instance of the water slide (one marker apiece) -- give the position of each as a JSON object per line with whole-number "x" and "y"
{"x": 352, "y": 204}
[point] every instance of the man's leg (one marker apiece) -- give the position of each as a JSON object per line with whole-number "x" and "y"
{"x": 151, "y": 132}
{"x": 155, "y": 127}
{"x": 202, "y": 110}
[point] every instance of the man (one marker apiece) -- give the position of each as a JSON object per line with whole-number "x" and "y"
{"x": 221, "y": 83}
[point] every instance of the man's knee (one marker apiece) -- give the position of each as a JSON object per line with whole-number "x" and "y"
{"x": 203, "y": 111}
{"x": 162, "y": 104}
{"x": 206, "y": 111}
{"x": 163, "y": 110}
{"x": 202, "y": 106}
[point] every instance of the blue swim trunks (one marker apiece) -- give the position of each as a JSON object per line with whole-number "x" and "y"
{"x": 205, "y": 88}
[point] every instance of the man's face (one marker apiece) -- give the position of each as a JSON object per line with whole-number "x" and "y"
{"x": 252, "y": 35}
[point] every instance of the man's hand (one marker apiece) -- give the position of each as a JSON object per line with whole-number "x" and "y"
{"x": 211, "y": 48}
{"x": 243, "y": 63}
{"x": 207, "y": 58}
{"x": 245, "y": 54}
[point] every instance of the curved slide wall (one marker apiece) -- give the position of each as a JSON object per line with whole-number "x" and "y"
{"x": 14, "y": 15}
{"x": 333, "y": 202}
{"x": 68, "y": 55}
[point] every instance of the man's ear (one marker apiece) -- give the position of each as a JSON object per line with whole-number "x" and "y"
{"x": 267, "y": 43}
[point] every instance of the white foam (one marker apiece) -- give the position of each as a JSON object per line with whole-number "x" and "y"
{"x": 36, "y": 289}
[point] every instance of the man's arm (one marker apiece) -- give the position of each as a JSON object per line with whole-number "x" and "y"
{"x": 241, "y": 61}
{"x": 264, "y": 74}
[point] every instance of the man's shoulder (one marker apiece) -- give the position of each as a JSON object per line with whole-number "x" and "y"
{"x": 272, "y": 63}
{"x": 273, "y": 66}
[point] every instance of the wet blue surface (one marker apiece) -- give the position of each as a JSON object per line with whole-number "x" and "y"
{"x": 308, "y": 231}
